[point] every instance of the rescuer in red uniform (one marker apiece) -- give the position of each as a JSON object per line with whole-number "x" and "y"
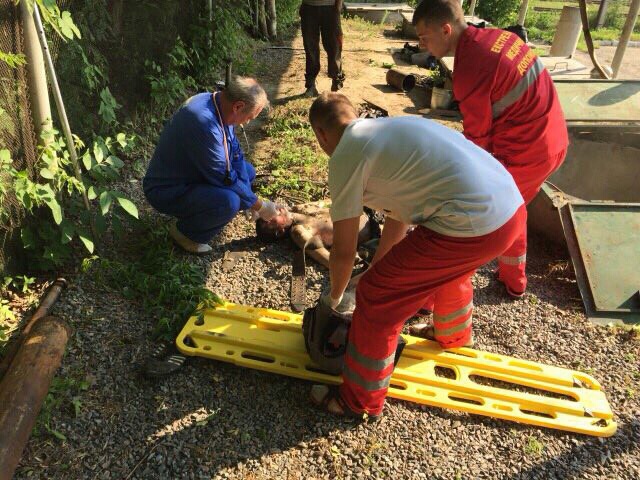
{"x": 508, "y": 103}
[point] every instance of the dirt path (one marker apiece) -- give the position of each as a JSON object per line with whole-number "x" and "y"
{"x": 215, "y": 420}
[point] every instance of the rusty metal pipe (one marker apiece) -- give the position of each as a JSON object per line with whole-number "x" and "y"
{"x": 25, "y": 386}
{"x": 46, "y": 303}
{"x": 401, "y": 81}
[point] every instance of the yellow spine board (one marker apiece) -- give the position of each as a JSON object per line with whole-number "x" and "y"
{"x": 462, "y": 379}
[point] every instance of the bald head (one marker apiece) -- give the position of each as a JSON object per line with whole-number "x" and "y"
{"x": 331, "y": 109}
{"x": 329, "y": 115}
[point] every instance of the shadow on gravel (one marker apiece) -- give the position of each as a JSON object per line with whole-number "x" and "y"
{"x": 588, "y": 454}
{"x": 220, "y": 415}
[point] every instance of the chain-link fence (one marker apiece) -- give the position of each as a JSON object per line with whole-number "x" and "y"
{"x": 16, "y": 127}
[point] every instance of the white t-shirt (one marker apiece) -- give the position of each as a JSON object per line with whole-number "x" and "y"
{"x": 420, "y": 172}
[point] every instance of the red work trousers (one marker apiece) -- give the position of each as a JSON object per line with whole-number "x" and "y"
{"x": 529, "y": 178}
{"x": 396, "y": 287}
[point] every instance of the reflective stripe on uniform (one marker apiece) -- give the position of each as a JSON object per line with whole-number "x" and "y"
{"x": 368, "y": 385}
{"x": 445, "y": 332}
{"x": 513, "y": 260}
{"x": 518, "y": 90}
{"x": 368, "y": 362}
{"x": 452, "y": 316}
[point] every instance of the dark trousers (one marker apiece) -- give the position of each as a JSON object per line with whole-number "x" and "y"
{"x": 323, "y": 21}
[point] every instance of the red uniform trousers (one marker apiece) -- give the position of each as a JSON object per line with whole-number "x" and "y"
{"x": 396, "y": 287}
{"x": 529, "y": 178}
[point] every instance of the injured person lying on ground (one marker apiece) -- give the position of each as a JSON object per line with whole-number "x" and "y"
{"x": 309, "y": 226}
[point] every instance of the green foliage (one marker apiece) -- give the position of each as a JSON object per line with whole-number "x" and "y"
{"x": 616, "y": 15}
{"x": 298, "y": 166}
{"x": 57, "y": 190}
{"x": 500, "y": 13}
{"x": 64, "y": 393}
{"x": 6, "y": 316}
{"x": 59, "y": 20}
{"x": 534, "y": 447}
{"x": 14, "y": 60}
{"x": 168, "y": 286}
{"x": 169, "y": 86}
{"x": 108, "y": 107}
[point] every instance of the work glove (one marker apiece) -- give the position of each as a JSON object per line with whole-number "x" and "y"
{"x": 330, "y": 302}
{"x": 268, "y": 210}
{"x": 251, "y": 214}
{"x": 345, "y": 304}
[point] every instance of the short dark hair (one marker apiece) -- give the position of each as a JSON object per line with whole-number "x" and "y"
{"x": 269, "y": 233}
{"x": 438, "y": 11}
{"x": 328, "y": 109}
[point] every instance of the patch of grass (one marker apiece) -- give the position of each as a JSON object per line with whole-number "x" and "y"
{"x": 298, "y": 168}
{"x": 541, "y": 26}
{"x": 360, "y": 28}
{"x": 64, "y": 393}
{"x": 534, "y": 447}
{"x": 167, "y": 285}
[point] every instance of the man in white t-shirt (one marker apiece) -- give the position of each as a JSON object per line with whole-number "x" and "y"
{"x": 467, "y": 209}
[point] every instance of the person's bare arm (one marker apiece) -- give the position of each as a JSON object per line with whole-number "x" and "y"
{"x": 393, "y": 232}
{"x": 343, "y": 254}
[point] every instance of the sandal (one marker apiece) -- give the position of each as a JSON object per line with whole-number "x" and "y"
{"x": 424, "y": 330}
{"x": 164, "y": 360}
{"x": 328, "y": 399}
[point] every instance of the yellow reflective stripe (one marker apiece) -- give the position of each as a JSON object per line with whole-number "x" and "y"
{"x": 452, "y": 316}
{"x": 368, "y": 362}
{"x": 516, "y": 92}
{"x": 513, "y": 260}
{"x": 445, "y": 332}
{"x": 369, "y": 385}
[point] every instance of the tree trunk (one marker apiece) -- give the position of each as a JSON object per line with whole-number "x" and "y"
{"x": 272, "y": 24}
{"x": 602, "y": 13}
{"x": 262, "y": 19}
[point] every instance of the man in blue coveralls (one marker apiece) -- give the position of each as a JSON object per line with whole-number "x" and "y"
{"x": 198, "y": 173}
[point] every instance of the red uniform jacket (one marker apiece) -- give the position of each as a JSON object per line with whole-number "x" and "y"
{"x": 508, "y": 101}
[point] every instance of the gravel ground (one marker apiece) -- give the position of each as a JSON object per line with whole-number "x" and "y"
{"x": 214, "y": 420}
{"x": 217, "y": 420}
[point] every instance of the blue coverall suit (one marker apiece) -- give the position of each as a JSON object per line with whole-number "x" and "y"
{"x": 186, "y": 176}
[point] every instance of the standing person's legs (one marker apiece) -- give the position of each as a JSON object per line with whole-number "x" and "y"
{"x": 394, "y": 289}
{"x": 452, "y": 312}
{"x": 512, "y": 262}
{"x": 331, "y": 29}
{"x": 310, "y": 25}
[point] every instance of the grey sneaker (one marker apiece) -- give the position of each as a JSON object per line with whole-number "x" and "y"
{"x": 311, "y": 92}
{"x": 186, "y": 243}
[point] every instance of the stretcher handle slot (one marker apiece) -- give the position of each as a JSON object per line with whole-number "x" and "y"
{"x": 260, "y": 357}
{"x": 446, "y": 372}
{"x": 463, "y": 398}
{"x": 537, "y": 413}
{"x": 517, "y": 387}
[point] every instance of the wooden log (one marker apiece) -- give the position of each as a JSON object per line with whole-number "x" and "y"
{"x": 49, "y": 299}
{"x": 25, "y": 386}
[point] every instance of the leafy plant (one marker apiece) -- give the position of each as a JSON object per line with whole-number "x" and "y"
{"x": 59, "y": 20}
{"x": 533, "y": 447}
{"x": 14, "y": 60}
{"x": 500, "y": 13}
{"x": 298, "y": 166}
{"x": 59, "y": 191}
{"x": 170, "y": 85}
{"x": 6, "y": 315}
{"x": 63, "y": 393}
{"x": 168, "y": 286}
{"x": 24, "y": 283}
{"x": 108, "y": 107}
